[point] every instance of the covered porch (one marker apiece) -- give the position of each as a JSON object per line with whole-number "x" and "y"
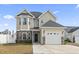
{"x": 36, "y": 37}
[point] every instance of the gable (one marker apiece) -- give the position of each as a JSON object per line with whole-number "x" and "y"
{"x": 24, "y": 12}
{"x": 36, "y": 14}
{"x": 47, "y": 15}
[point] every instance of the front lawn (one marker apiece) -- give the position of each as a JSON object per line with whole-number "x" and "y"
{"x": 16, "y": 48}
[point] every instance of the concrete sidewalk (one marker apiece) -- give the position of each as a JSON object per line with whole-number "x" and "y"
{"x": 55, "y": 49}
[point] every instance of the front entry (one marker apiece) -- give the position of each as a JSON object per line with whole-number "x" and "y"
{"x": 36, "y": 37}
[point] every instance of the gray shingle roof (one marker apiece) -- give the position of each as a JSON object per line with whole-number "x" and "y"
{"x": 68, "y": 28}
{"x": 51, "y": 23}
{"x": 5, "y": 32}
{"x": 36, "y": 14}
{"x": 24, "y": 12}
{"x": 73, "y": 29}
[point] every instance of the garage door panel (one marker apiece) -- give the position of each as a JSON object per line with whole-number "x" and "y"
{"x": 52, "y": 38}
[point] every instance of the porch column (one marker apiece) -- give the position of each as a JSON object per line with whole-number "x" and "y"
{"x": 21, "y": 36}
{"x": 42, "y": 36}
{"x": 21, "y": 20}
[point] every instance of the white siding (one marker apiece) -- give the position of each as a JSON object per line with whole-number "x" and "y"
{"x": 76, "y": 34}
{"x": 31, "y": 20}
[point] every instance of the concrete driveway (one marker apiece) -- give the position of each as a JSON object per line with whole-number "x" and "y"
{"x": 55, "y": 49}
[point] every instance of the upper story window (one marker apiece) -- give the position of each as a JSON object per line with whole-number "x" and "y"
{"x": 19, "y": 21}
{"x": 24, "y": 21}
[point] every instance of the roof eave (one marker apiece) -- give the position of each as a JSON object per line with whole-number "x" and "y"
{"x": 27, "y": 12}
{"x": 52, "y": 27}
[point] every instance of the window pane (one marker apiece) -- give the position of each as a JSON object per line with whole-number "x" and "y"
{"x": 19, "y": 21}
{"x": 50, "y": 33}
{"x": 24, "y": 36}
{"x": 54, "y": 33}
{"x": 24, "y": 21}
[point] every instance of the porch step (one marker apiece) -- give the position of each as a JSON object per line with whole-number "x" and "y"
{"x": 36, "y": 43}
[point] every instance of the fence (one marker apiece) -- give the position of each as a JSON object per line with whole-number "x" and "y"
{"x": 6, "y": 38}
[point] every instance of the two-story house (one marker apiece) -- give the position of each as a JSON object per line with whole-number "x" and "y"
{"x": 38, "y": 27}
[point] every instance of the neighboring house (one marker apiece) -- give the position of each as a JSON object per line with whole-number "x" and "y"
{"x": 73, "y": 34}
{"x": 7, "y": 37}
{"x": 39, "y": 28}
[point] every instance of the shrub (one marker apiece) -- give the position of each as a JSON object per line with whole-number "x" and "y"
{"x": 67, "y": 40}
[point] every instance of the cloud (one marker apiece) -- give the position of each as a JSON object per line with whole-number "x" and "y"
{"x": 5, "y": 24}
{"x": 55, "y": 12}
{"x": 77, "y": 6}
{"x": 9, "y": 17}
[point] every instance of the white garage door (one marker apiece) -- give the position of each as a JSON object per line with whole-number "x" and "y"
{"x": 52, "y": 38}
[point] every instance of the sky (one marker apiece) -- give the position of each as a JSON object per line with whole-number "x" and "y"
{"x": 67, "y": 14}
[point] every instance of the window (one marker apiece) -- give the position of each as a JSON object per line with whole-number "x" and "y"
{"x": 41, "y": 21}
{"x": 50, "y": 33}
{"x": 24, "y": 36}
{"x": 24, "y": 21}
{"x": 28, "y": 37}
{"x": 54, "y": 33}
{"x": 19, "y": 21}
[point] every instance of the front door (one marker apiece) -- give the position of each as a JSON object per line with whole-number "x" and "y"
{"x": 36, "y": 37}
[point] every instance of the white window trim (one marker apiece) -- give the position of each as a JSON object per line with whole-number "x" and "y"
{"x": 22, "y": 36}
